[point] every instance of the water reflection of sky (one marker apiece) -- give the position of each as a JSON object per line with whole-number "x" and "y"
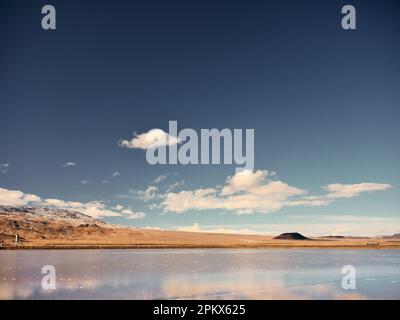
{"x": 198, "y": 274}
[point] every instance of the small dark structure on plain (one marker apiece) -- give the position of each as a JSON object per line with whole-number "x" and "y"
{"x": 291, "y": 236}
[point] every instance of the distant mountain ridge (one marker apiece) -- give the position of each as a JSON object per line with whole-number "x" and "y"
{"x": 47, "y": 223}
{"x": 394, "y": 236}
{"x": 51, "y": 214}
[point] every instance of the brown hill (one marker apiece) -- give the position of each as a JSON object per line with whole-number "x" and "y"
{"x": 45, "y": 227}
{"x": 32, "y": 224}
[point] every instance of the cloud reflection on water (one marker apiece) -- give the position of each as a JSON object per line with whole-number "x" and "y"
{"x": 199, "y": 274}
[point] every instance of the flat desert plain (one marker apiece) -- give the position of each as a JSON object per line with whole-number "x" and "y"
{"x": 44, "y": 230}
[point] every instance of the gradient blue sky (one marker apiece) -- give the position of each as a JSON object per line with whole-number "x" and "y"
{"x": 324, "y": 102}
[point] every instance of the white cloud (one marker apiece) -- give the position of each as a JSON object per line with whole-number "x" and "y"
{"x": 160, "y": 178}
{"x": 135, "y": 216}
{"x": 337, "y": 190}
{"x": 69, "y": 164}
{"x": 193, "y": 228}
{"x": 243, "y": 181}
{"x": 153, "y": 228}
{"x": 248, "y": 192}
{"x": 95, "y": 209}
{"x": 174, "y": 185}
{"x": 116, "y": 174}
{"x": 85, "y": 181}
{"x": 128, "y": 213}
{"x": 200, "y": 199}
{"x": 118, "y": 207}
{"x": 152, "y": 138}
{"x": 16, "y": 198}
{"x": 149, "y": 194}
{"x": 153, "y": 206}
{"x": 4, "y": 167}
{"x": 196, "y": 228}
{"x": 245, "y": 192}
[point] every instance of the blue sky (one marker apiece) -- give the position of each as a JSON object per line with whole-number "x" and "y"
{"x": 324, "y": 104}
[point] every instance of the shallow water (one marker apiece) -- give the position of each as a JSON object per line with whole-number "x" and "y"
{"x": 200, "y": 274}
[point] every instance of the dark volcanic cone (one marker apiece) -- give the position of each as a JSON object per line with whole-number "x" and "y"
{"x": 291, "y": 236}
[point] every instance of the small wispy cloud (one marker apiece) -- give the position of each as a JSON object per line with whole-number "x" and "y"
{"x": 153, "y": 193}
{"x": 338, "y": 190}
{"x": 69, "y": 164}
{"x": 160, "y": 178}
{"x": 174, "y": 185}
{"x": 4, "y": 167}
{"x": 131, "y": 215}
{"x": 116, "y": 174}
{"x": 85, "y": 181}
{"x": 154, "y": 206}
{"x": 149, "y": 194}
{"x": 128, "y": 213}
{"x": 136, "y": 216}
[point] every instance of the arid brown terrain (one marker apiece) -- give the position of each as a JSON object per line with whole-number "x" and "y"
{"x": 51, "y": 228}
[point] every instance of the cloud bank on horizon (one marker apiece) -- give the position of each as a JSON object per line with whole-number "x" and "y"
{"x": 344, "y": 225}
{"x": 250, "y": 192}
{"x": 95, "y": 209}
{"x": 246, "y": 192}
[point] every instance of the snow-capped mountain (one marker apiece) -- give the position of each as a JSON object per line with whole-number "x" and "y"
{"x": 37, "y": 225}
{"x": 50, "y": 214}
